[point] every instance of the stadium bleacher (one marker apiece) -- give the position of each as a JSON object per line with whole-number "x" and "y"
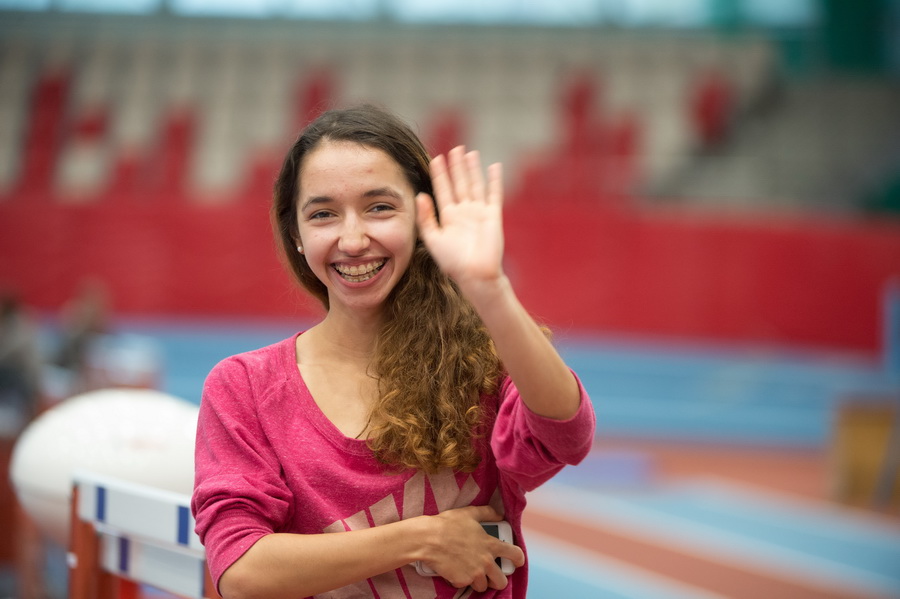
{"x": 142, "y": 150}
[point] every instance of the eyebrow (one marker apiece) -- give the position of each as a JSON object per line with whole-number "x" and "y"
{"x": 372, "y": 193}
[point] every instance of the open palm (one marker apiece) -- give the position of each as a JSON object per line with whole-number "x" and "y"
{"x": 467, "y": 243}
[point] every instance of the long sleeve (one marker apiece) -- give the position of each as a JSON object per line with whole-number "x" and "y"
{"x": 239, "y": 495}
{"x": 529, "y": 448}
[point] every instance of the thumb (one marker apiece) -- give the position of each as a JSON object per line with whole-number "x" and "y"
{"x": 426, "y": 218}
{"x": 485, "y": 513}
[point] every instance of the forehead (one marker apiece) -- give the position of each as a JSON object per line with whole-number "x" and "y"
{"x": 347, "y": 164}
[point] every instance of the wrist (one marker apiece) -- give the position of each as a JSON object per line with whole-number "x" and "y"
{"x": 484, "y": 294}
{"x": 427, "y": 537}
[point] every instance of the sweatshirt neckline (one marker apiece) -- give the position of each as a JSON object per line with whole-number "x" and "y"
{"x": 322, "y": 423}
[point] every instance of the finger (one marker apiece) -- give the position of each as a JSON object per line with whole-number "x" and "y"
{"x": 496, "y": 578}
{"x": 459, "y": 174}
{"x": 485, "y": 513}
{"x": 440, "y": 181}
{"x": 459, "y": 584}
{"x": 476, "y": 178}
{"x": 513, "y": 553}
{"x": 495, "y": 184}
{"x": 480, "y": 583}
{"x": 426, "y": 217}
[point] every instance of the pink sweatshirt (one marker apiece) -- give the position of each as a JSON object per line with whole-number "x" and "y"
{"x": 268, "y": 460}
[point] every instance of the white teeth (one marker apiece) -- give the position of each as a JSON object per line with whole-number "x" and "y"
{"x": 358, "y": 273}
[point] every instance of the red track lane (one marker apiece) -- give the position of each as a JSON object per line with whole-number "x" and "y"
{"x": 728, "y": 580}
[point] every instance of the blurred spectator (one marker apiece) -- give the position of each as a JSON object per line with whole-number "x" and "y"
{"x": 20, "y": 366}
{"x": 84, "y": 322}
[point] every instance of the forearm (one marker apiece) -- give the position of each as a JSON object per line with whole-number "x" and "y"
{"x": 545, "y": 383}
{"x": 295, "y": 565}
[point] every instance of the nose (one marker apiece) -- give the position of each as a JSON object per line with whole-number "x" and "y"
{"x": 354, "y": 239}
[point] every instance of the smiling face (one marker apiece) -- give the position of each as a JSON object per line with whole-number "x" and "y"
{"x": 356, "y": 222}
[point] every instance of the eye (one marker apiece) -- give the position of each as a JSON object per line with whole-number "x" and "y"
{"x": 319, "y": 215}
{"x": 382, "y": 208}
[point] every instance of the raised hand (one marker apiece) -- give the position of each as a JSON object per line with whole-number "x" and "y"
{"x": 467, "y": 243}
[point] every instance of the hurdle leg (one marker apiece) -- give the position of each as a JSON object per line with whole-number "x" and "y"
{"x": 29, "y": 557}
{"x": 84, "y": 555}
{"x": 128, "y": 589}
{"x": 107, "y": 585}
{"x": 116, "y": 587}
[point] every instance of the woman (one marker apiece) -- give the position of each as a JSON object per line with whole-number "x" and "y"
{"x": 424, "y": 402}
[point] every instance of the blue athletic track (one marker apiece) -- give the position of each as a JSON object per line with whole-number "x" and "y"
{"x": 623, "y": 525}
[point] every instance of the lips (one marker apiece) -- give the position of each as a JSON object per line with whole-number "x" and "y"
{"x": 357, "y": 273}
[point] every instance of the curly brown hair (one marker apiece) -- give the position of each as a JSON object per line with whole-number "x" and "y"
{"x": 434, "y": 359}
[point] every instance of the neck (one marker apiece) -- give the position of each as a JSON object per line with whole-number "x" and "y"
{"x": 350, "y": 339}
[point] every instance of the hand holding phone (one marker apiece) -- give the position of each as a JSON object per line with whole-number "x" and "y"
{"x": 499, "y": 530}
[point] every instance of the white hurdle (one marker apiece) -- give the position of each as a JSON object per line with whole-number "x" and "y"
{"x": 125, "y": 534}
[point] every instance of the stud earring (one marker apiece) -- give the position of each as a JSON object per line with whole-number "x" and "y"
{"x": 300, "y": 248}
